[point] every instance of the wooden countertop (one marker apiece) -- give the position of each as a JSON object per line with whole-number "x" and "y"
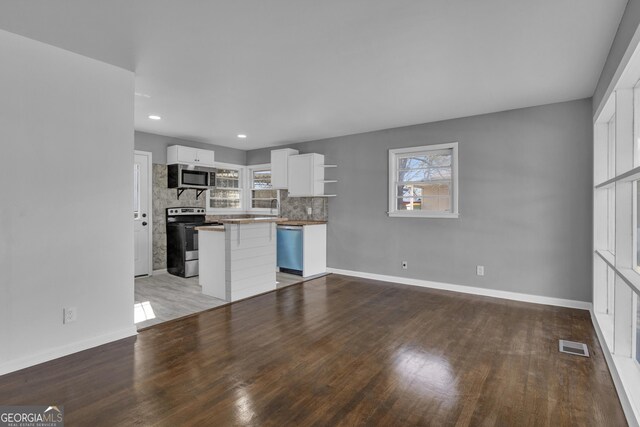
{"x": 219, "y": 228}
{"x": 279, "y": 221}
{"x": 251, "y": 220}
{"x": 301, "y": 222}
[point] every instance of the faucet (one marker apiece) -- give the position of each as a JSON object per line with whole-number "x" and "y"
{"x": 271, "y": 207}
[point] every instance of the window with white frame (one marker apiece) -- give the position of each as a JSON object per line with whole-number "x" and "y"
{"x": 228, "y": 194}
{"x": 636, "y": 324}
{"x": 611, "y": 191}
{"x": 616, "y": 278}
{"x": 263, "y": 196}
{"x": 423, "y": 181}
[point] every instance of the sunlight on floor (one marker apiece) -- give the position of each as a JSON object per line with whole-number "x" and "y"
{"x": 143, "y": 311}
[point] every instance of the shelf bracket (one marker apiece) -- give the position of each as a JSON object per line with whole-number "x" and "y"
{"x": 181, "y": 190}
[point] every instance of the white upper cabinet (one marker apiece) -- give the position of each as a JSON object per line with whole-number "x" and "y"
{"x": 205, "y": 158}
{"x": 280, "y": 166}
{"x": 190, "y": 156}
{"x": 306, "y": 175}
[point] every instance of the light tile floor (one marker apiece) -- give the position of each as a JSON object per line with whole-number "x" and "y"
{"x": 164, "y": 297}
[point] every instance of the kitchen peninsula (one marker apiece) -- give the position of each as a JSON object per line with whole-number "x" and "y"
{"x": 238, "y": 258}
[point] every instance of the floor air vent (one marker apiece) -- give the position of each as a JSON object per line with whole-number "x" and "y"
{"x": 571, "y": 347}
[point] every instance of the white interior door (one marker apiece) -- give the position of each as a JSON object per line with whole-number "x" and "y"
{"x": 142, "y": 212}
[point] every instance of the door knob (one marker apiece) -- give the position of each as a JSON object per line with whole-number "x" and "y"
{"x": 144, "y": 223}
{"x": 144, "y": 215}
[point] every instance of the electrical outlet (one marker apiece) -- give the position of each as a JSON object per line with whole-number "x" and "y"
{"x": 309, "y": 210}
{"x": 480, "y": 270}
{"x": 70, "y": 315}
{"x": 405, "y": 265}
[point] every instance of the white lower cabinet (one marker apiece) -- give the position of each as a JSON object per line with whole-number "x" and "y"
{"x": 302, "y": 249}
{"x": 238, "y": 262}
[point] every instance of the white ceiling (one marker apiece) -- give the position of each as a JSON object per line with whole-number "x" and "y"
{"x": 285, "y": 71}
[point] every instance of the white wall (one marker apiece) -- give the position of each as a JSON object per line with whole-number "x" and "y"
{"x": 66, "y": 232}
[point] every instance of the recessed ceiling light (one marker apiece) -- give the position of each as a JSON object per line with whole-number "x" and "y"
{"x": 152, "y": 117}
{"x": 242, "y": 136}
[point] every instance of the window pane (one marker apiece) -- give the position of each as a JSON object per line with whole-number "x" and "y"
{"x": 264, "y": 194}
{"x": 224, "y": 204}
{"x": 228, "y": 178}
{"x": 611, "y": 219}
{"x": 611, "y": 287}
{"x": 637, "y": 305}
{"x": 440, "y": 189}
{"x": 427, "y": 203}
{"x": 444, "y": 204}
{"x": 262, "y": 204}
{"x": 430, "y": 204}
{"x": 225, "y": 194}
{"x": 408, "y": 204}
{"x": 262, "y": 179}
{"x": 636, "y": 223}
{"x": 436, "y": 158}
{"x": 228, "y": 174}
{"x": 227, "y": 183}
{"x": 425, "y": 175}
{"x": 409, "y": 191}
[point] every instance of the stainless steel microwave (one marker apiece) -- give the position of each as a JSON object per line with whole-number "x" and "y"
{"x": 186, "y": 176}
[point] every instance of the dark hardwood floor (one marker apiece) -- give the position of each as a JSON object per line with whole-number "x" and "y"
{"x": 338, "y": 351}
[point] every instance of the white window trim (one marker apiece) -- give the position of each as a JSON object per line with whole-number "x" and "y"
{"x": 250, "y": 209}
{"x": 242, "y": 188}
{"x": 616, "y": 282}
{"x": 393, "y": 153}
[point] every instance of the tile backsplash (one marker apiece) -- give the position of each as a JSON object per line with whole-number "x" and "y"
{"x": 296, "y": 207}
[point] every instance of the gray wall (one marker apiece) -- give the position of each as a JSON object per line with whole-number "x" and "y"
{"x": 627, "y": 29}
{"x": 157, "y": 144}
{"x": 525, "y": 203}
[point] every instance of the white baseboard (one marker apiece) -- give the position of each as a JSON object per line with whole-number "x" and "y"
{"x": 164, "y": 270}
{"x": 615, "y": 375}
{"x": 65, "y": 350}
{"x": 536, "y": 299}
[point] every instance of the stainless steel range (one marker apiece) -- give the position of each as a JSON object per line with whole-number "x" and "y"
{"x": 182, "y": 240}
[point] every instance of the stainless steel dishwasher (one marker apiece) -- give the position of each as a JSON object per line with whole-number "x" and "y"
{"x": 290, "y": 249}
